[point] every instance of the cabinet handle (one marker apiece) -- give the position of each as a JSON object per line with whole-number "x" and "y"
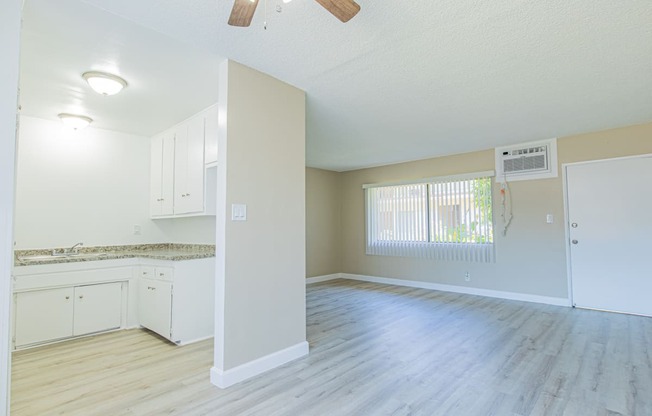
{"x": 161, "y": 274}
{"x": 81, "y": 296}
{"x": 67, "y": 297}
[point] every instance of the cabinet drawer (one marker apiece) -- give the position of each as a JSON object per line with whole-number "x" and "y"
{"x": 156, "y": 272}
{"x": 164, "y": 273}
{"x": 147, "y": 272}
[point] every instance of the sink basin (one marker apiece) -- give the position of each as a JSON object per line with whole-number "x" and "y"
{"x": 85, "y": 255}
{"x": 37, "y": 258}
{"x": 50, "y": 257}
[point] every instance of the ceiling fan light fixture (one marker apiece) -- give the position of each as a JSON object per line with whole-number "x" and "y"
{"x": 75, "y": 121}
{"x": 103, "y": 83}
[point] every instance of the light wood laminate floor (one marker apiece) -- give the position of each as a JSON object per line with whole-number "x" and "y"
{"x": 374, "y": 350}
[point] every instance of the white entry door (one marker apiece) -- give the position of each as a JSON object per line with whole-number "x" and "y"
{"x": 610, "y": 229}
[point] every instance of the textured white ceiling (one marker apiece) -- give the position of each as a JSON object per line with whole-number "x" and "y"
{"x": 407, "y": 80}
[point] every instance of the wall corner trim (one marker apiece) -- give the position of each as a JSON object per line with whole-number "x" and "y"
{"x": 524, "y": 297}
{"x": 226, "y": 378}
{"x": 324, "y": 278}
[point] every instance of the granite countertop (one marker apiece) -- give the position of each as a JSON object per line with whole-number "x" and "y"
{"x": 165, "y": 251}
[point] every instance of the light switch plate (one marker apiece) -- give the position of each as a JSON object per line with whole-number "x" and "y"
{"x": 238, "y": 212}
{"x": 549, "y": 219}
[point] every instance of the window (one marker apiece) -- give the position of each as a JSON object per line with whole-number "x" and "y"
{"x": 448, "y": 218}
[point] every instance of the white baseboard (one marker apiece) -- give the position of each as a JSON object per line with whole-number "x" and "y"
{"x": 192, "y": 341}
{"x": 324, "y": 278}
{"x": 460, "y": 289}
{"x": 226, "y": 378}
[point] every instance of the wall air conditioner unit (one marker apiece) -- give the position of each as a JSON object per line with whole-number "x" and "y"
{"x": 526, "y": 161}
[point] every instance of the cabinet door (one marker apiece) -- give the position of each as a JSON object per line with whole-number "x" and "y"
{"x": 194, "y": 199}
{"x": 180, "y": 168}
{"x": 97, "y": 308}
{"x": 162, "y": 175}
{"x": 189, "y": 167}
{"x": 43, "y": 315}
{"x": 156, "y": 171}
{"x": 167, "y": 176}
{"x": 210, "y": 135}
{"x": 155, "y": 306}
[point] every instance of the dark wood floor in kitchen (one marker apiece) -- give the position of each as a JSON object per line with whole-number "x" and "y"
{"x": 374, "y": 350}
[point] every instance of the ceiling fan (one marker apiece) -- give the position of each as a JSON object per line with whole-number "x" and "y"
{"x": 243, "y": 10}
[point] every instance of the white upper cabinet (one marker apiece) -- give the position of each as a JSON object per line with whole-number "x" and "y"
{"x": 162, "y": 175}
{"x": 178, "y": 167}
{"x": 211, "y": 135}
{"x": 189, "y": 166}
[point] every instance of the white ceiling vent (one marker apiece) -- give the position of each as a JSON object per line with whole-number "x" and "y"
{"x": 534, "y": 160}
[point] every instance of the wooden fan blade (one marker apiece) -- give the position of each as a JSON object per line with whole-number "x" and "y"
{"x": 242, "y": 12}
{"x": 342, "y": 9}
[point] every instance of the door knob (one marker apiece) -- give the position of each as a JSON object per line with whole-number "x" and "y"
{"x": 574, "y": 241}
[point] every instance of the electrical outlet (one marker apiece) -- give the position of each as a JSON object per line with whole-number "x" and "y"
{"x": 467, "y": 276}
{"x": 137, "y": 230}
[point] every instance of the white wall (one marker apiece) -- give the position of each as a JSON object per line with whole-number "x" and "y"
{"x": 9, "y": 52}
{"x": 90, "y": 185}
{"x": 260, "y": 302}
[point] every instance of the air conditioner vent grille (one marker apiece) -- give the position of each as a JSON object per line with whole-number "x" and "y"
{"x": 526, "y": 163}
{"x": 534, "y": 160}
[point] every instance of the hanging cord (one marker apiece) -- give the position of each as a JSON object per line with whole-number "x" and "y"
{"x": 265, "y": 22}
{"x": 506, "y": 204}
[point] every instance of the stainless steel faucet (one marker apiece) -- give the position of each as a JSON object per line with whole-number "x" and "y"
{"x": 67, "y": 251}
{"x": 74, "y": 249}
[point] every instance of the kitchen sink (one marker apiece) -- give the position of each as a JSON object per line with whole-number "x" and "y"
{"x": 50, "y": 257}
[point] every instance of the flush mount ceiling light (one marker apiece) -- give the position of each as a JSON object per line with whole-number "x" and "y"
{"x": 103, "y": 83}
{"x": 75, "y": 121}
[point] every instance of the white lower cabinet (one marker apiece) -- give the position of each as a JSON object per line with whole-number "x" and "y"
{"x": 177, "y": 299}
{"x": 155, "y": 306}
{"x": 43, "y": 315}
{"x": 97, "y": 308}
{"x": 52, "y": 314}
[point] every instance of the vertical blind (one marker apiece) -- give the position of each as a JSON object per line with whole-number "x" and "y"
{"x": 446, "y": 218}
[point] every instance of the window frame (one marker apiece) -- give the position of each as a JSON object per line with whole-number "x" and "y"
{"x": 473, "y": 251}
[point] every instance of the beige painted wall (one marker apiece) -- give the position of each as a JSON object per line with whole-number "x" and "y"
{"x": 323, "y": 222}
{"x": 530, "y": 259}
{"x": 261, "y": 261}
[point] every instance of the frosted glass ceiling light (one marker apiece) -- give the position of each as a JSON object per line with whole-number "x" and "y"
{"x": 74, "y": 121}
{"x": 103, "y": 83}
